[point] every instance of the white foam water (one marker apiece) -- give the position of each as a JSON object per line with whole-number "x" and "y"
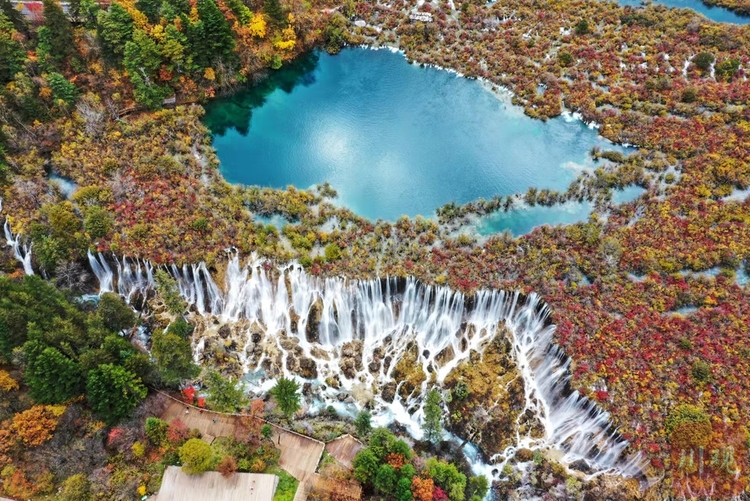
{"x": 390, "y": 317}
{"x": 21, "y": 250}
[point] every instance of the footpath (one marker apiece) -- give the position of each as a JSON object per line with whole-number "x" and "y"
{"x": 300, "y": 454}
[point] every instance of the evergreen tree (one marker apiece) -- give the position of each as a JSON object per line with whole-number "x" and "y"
{"x": 433, "y": 417}
{"x": 240, "y": 11}
{"x": 365, "y": 465}
{"x": 275, "y": 12}
{"x": 363, "y": 423}
{"x": 285, "y": 393}
{"x": 113, "y": 392}
{"x": 174, "y": 51}
{"x": 174, "y": 358}
{"x": 142, "y": 60}
{"x": 12, "y": 53}
{"x": 216, "y": 36}
{"x": 52, "y": 377}
{"x": 225, "y": 394}
{"x": 61, "y": 31}
{"x": 114, "y": 29}
{"x": 386, "y": 479}
{"x": 403, "y": 489}
{"x": 166, "y": 287}
{"x": 150, "y": 8}
{"x": 13, "y": 15}
{"x": 62, "y": 89}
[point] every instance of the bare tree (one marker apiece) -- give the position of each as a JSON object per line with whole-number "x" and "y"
{"x": 71, "y": 275}
{"x": 92, "y": 112}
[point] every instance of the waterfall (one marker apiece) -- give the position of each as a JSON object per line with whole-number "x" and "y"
{"x": 21, "y": 251}
{"x": 389, "y": 317}
{"x": 102, "y": 271}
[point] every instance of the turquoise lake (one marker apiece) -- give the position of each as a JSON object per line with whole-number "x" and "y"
{"x": 718, "y": 14}
{"x": 393, "y": 138}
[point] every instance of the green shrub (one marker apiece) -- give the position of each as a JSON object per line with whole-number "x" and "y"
{"x": 703, "y": 61}
{"x": 582, "y": 27}
{"x": 685, "y": 413}
{"x": 332, "y": 252}
{"x": 196, "y": 456}
{"x": 565, "y": 58}
{"x": 701, "y": 371}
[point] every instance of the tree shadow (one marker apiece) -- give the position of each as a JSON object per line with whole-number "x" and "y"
{"x": 235, "y": 112}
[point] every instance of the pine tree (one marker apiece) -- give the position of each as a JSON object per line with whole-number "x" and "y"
{"x": 150, "y": 8}
{"x": 52, "y": 377}
{"x": 114, "y": 29}
{"x": 225, "y": 394}
{"x": 12, "y": 54}
{"x": 113, "y": 392}
{"x": 363, "y": 423}
{"x": 13, "y": 15}
{"x": 217, "y": 34}
{"x": 285, "y": 393}
{"x": 275, "y": 12}
{"x": 174, "y": 358}
{"x": 62, "y": 41}
{"x": 433, "y": 417}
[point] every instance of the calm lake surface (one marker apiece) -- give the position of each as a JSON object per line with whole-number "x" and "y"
{"x": 718, "y": 14}
{"x": 393, "y": 138}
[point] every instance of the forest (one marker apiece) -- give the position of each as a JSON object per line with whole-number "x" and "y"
{"x": 646, "y": 296}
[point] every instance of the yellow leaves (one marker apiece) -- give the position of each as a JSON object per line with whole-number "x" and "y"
{"x": 7, "y": 383}
{"x": 284, "y": 45}
{"x": 288, "y": 34}
{"x": 36, "y": 425}
{"x": 258, "y": 26}
{"x": 56, "y": 410}
{"x": 194, "y": 17}
{"x": 139, "y": 18}
{"x": 289, "y": 39}
{"x": 209, "y": 74}
{"x": 157, "y": 33}
{"x": 45, "y": 93}
{"x": 96, "y": 68}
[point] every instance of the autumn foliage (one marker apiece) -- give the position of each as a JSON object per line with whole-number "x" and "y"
{"x": 422, "y": 488}
{"x": 37, "y": 425}
{"x": 7, "y": 383}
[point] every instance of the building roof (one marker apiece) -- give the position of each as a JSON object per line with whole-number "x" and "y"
{"x": 179, "y": 486}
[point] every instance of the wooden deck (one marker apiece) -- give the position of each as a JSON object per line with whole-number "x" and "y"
{"x": 344, "y": 449}
{"x": 300, "y": 455}
{"x": 179, "y": 486}
{"x": 202, "y": 421}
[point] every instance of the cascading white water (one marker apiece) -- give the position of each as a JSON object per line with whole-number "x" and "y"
{"x": 103, "y": 272}
{"x": 387, "y": 316}
{"x": 21, "y": 251}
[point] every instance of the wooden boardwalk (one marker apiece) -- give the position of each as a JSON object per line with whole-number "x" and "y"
{"x": 344, "y": 449}
{"x": 179, "y": 486}
{"x": 202, "y": 421}
{"x": 300, "y": 455}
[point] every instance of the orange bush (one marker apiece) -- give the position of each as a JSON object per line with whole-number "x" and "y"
{"x": 422, "y": 488}
{"x": 227, "y": 467}
{"x": 7, "y": 383}
{"x": 36, "y": 425}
